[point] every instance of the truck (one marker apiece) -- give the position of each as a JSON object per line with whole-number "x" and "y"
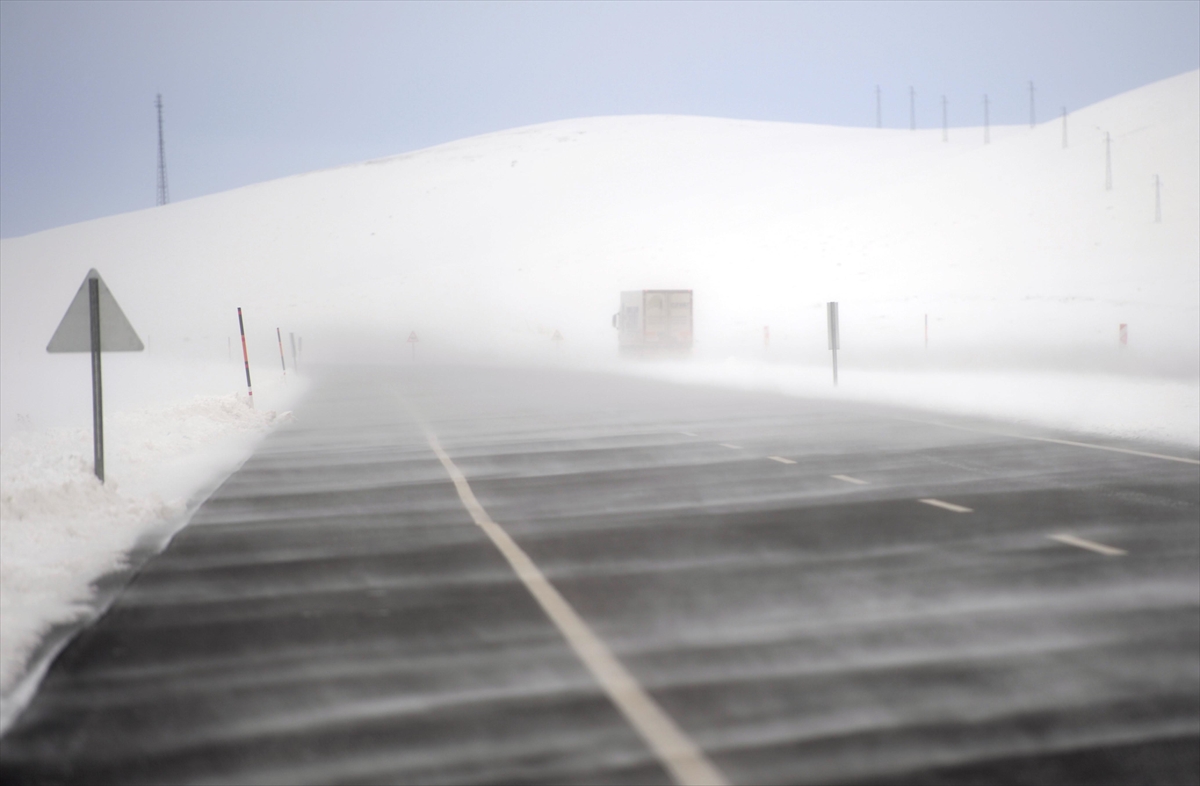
{"x": 654, "y": 322}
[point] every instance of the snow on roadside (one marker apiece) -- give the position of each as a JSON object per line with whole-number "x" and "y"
{"x": 61, "y": 530}
{"x": 1118, "y": 407}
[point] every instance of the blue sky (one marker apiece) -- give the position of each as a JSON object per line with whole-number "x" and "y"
{"x": 255, "y": 91}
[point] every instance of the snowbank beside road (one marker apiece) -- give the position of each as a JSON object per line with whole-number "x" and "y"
{"x": 61, "y": 530}
{"x": 1131, "y": 408}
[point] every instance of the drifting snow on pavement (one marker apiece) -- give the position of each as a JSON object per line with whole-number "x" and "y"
{"x": 61, "y": 529}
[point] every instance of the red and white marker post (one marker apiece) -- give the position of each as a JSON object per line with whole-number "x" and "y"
{"x": 245, "y": 357}
{"x": 1123, "y": 334}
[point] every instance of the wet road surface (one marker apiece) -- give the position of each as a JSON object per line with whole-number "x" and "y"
{"x": 810, "y": 591}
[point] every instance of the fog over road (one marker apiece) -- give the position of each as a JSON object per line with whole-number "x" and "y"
{"x": 805, "y": 591}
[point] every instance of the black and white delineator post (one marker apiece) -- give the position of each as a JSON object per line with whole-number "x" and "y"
{"x": 95, "y": 323}
{"x": 835, "y": 339}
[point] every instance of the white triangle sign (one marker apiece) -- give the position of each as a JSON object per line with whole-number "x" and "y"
{"x": 74, "y": 333}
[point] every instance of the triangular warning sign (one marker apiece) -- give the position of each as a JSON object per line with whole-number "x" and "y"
{"x": 74, "y": 333}
{"x": 412, "y": 337}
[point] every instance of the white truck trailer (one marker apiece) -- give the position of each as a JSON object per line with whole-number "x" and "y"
{"x": 655, "y": 322}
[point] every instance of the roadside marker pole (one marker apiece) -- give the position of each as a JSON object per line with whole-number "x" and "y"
{"x": 245, "y": 357}
{"x": 835, "y": 342}
{"x": 279, "y": 338}
{"x": 292, "y": 337}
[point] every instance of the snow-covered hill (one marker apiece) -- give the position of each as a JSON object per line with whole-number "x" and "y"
{"x": 485, "y": 246}
{"x": 1024, "y": 263}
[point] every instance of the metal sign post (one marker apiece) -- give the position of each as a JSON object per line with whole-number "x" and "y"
{"x": 835, "y": 342}
{"x": 95, "y": 323}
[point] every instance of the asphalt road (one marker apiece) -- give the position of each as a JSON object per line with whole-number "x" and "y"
{"x": 809, "y": 591}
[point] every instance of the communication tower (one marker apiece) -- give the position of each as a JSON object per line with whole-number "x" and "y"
{"x": 163, "y": 196}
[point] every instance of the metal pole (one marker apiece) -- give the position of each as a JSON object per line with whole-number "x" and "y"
{"x": 292, "y": 337}
{"x": 1107, "y": 161}
{"x": 835, "y": 342}
{"x": 279, "y": 338}
{"x": 163, "y": 196}
{"x": 987, "y": 131}
{"x": 245, "y": 357}
{"x": 97, "y": 396}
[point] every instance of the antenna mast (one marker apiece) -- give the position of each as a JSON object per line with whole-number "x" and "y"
{"x": 163, "y": 196}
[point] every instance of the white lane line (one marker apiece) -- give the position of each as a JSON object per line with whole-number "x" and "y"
{"x": 937, "y": 503}
{"x": 781, "y": 459}
{"x": 1090, "y": 545}
{"x": 683, "y": 759}
{"x": 849, "y": 479}
{"x": 1164, "y": 457}
{"x": 731, "y": 447}
{"x": 689, "y": 434}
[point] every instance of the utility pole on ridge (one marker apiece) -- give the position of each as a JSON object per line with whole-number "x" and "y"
{"x": 987, "y": 132}
{"x": 1107, "y": 161}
